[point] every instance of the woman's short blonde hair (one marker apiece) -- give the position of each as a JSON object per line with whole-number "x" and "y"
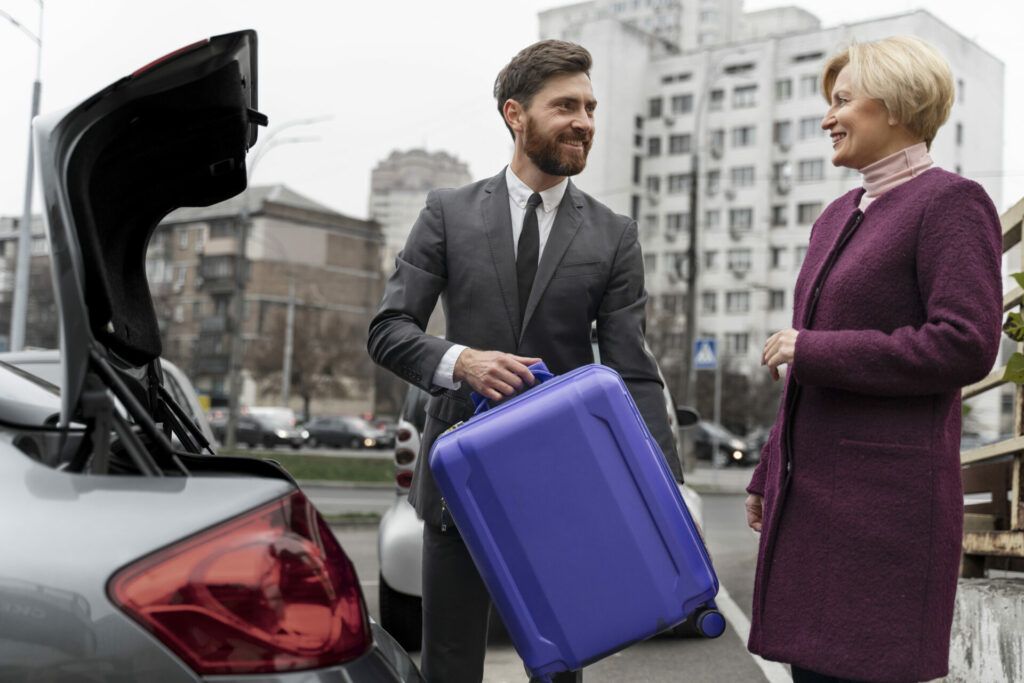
{"x": 910, "y": 76}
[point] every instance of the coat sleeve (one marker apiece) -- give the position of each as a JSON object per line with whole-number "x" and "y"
{"x": 397, "y": 340}
{"x": 621, "y": 324}
{"x": 958, "y": 275}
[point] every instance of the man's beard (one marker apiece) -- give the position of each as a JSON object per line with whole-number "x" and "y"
{"x": 547, "y": 154}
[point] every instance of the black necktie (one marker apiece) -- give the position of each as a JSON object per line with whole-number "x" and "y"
{"x": 528, "y": 253}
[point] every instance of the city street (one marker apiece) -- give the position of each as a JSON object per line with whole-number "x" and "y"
{"x": 733, "y": 547}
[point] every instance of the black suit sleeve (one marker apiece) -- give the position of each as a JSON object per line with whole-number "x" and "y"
{"x": 621, "y": 325}
{"x": 397, "y": 340}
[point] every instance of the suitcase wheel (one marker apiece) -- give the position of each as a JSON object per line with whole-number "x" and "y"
{"x": 710, "y": 623}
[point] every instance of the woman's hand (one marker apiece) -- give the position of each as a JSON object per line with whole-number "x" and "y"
{"x": 754, "y": 505}
{"x": 778, "y": 350}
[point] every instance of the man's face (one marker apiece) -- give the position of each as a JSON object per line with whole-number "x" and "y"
{"x": 559, "y": 125}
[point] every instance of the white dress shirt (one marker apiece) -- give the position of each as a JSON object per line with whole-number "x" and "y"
{"x": 518, "y": 194}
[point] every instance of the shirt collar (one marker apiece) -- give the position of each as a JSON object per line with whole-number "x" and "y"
{"x": 520, "y": 192}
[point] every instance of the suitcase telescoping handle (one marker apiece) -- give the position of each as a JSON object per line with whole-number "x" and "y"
{"x": 540, "y": 373}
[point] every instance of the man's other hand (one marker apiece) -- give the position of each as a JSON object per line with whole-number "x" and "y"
{"x": 493, "y": 374}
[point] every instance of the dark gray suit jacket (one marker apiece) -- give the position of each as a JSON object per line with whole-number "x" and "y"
{"x": 461, "y": 250}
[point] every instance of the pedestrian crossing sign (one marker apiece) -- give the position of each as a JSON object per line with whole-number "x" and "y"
{"x": 705, "y": 354}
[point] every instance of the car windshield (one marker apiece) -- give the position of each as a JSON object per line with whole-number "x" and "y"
{"x": 276, "y": 421}
{"x": 716, "y": 430}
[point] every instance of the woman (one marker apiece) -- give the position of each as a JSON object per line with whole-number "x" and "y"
{"x": 898, "y": 304}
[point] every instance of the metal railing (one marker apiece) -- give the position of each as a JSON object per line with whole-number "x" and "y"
{"x": 994, "y": 528}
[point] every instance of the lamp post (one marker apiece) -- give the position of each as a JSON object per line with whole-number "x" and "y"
{"x": 24, "y": 263}
{"x": 237, "y": 318}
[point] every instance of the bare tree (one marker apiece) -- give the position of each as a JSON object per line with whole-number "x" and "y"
{"x": 328, "y": 356}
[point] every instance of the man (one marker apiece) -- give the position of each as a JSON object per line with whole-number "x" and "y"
{"x": 519, "y": 284}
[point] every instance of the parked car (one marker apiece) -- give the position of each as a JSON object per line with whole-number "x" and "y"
{"x": 400, "y": 535}
{"x": 344, "y": 431}
{"x": 732, "y": 450}
{"x": 45, "y": 363}
{"x": 261, "y": 430}
{"x": 135, "y": 559}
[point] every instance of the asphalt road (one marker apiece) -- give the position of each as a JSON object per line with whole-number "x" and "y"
{"x": 733, "y": 547}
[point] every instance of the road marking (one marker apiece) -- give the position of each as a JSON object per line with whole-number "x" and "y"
{"x": 773, "y": 671}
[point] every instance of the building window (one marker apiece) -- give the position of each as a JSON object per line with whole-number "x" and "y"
{"x": 638, "y": 122}
{"x": 800, "y": 253}
{"x": 650, "y": 230}
{"x": 650, "y": 263}
{"x": 680, "y": 267}
{"x": 808, "y": 170}
{"x": 179, "y": 313}
{"x": 222, "y": 227}
{"x": 737, "y": 343}
{"x": 713, "y": 219}
{"x": 717, "y": 140}
{"x": 776, "y": 300}
{"x": 782, "y": 133}
{"x": 738, "y": 260}
{"x": 682, "y": 104}
{"x": 807, "y": 213}
{"x": 638, "y": 140}
{"x": 779, "y": 216}
{"x": 672, "y": 303}
{"x": 808, "y": 85}
{"x": 742, "y": 176}
{"x": 960, "y": 89}
{"x": 737, "y": 302}
{"x": 654, "y": 107}
{"x": 959, "y": 134}
{"x": 741, "y": 219}
{"x": 680, "y": 144}
{"x": 707, "y": 16}
{"x": 653, "y": 184}
{"x": 637, "y": 166}
{"x": 776, "y": 256}
{"x": 199, "y": 240}
{"x": 744, "y": 96}
{"x": 810, "y": 127}
{"x": 744, "y": 136}
{"x": 653, "y": 147}
{"x": 183, "y": 238}
{"x": 676, "y": 223}
{"x": 716, "y": 100}
{"x": 709, "y": 302}
{"x": 197, "y": 311}
{"x": 783, "y": 89}
{"x": 710, "y": 260}
{"x": 678, "y": 183}
{"x": 714, "y": 181}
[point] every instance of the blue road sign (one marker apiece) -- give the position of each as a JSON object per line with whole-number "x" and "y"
{"x": 705, "y": 354}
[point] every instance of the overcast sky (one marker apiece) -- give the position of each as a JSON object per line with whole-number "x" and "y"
{"x": 393, "y": 74}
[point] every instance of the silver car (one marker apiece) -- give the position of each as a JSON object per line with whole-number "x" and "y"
{"x": 129, "y": 556}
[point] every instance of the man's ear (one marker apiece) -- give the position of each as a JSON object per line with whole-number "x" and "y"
{"x": 513, "y": 112}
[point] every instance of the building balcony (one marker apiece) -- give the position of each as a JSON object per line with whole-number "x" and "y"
{"x": 213, "y": 325}
{"x": 217, "y": 273}
{"x": 211, "y": 364}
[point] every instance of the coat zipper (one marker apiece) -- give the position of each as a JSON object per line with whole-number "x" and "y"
{"x": 444, "y": 515}
{"x": 792, "y": 397}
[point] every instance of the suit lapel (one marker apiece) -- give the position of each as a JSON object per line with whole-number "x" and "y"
{"x": 497, "y": 220}
{"x": 567, "y": 223}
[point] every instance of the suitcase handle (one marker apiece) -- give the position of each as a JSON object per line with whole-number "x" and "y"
{"x": 540, "y": 373}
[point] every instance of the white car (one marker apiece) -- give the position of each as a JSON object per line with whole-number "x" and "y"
{"x": 400, "y": 538}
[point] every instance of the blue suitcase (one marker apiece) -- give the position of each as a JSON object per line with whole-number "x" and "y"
{"x": 575, "y": 521}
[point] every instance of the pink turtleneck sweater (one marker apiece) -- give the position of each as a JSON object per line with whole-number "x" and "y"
{"x": 892, "y": 171}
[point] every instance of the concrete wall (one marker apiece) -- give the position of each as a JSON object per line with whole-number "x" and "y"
{"x": 987, "y": 642}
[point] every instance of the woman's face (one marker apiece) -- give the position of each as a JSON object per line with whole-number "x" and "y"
{"x": 859, "y": 126}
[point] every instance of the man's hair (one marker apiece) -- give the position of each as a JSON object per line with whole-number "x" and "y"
{"x": 526, "y": 74}
{"x": 910, "y": 76}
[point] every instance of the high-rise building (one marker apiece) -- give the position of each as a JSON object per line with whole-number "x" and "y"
{"x": 737, "y": 96}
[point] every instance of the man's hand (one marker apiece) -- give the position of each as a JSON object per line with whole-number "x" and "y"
{"x": 779, "y": 349}
{"x": 494, "y": 374}
{"x": 755, "y": 507}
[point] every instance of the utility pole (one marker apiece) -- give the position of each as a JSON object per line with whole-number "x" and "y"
{"x": 19, "y": 310}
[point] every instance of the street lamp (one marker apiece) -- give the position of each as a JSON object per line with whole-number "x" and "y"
{"x": 24, "y": 262}
{"x": 237, "y": 348}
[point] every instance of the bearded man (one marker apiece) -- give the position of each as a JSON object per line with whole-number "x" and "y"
{"x": 525, "y": 263}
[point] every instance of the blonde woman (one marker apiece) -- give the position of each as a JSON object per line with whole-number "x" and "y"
{"x": 858, "y": 496}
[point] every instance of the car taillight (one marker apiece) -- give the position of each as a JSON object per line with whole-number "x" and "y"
{"x": 403, "y": 434}
{"x": 268, "y": 591}
{"x": 404, "y": 479}
{"x": 404, "y": 456}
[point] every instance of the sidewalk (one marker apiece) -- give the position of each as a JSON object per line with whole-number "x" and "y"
{"x": 732, "y": 480}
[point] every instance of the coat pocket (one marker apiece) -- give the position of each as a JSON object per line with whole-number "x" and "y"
{"x": 877, "y": 547}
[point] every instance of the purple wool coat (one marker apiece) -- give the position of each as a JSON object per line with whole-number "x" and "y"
{"x": 897, "y": 308}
